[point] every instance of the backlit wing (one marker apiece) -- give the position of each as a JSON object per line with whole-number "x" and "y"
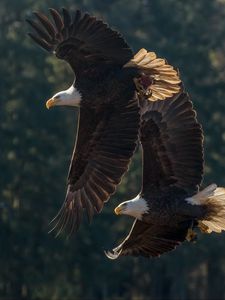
{"x": 157, "y": 79}
{"x": 105, "y": 144}
{"x": 172, "y": 142}
{"x": 149, "y": 240}
{"x": 80, "y": 39}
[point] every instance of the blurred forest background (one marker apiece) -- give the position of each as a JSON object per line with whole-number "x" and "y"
{"x": 36, "y": 146}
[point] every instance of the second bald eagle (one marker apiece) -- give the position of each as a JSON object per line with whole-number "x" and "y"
{"x": 170, "y": 204}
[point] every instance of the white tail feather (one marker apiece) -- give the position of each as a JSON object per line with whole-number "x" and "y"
{"x": 214, "y": 198}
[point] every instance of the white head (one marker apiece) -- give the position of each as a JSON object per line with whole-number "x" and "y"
{"x": 69, "y": 97}
{"x": 135, "y": 207}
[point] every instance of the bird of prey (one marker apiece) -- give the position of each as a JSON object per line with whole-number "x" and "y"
{"x": 170, "y": 204}
{"x": 108, "y": 80}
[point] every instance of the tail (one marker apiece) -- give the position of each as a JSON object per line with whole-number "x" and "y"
{"x": 213, "y": 198}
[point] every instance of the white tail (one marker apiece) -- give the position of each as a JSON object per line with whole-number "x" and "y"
{"x": 213, "y": 198}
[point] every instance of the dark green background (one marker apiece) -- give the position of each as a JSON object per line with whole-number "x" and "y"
{"x": 36, "y": 146}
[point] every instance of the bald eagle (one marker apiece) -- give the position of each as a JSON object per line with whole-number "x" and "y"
{"x": 170, "y": 204}
{"x": 108, "y": 79}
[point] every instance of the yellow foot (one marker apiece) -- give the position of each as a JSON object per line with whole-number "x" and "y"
{"x": 191, "y": 235}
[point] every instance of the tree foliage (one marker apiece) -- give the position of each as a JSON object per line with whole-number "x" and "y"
{"x": 36, "y": 146}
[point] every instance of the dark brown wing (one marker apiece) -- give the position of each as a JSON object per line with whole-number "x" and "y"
{"x": 149, "y": 240}
{"x": 105, "y": 144}
{"x": 172, "y": 142}
{"x": 80, "y": 39}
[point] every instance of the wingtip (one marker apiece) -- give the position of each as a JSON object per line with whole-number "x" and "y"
{"x": 50, "y": 9}
{"x": 111, "y": 255}
{"x": 67, "y": 220}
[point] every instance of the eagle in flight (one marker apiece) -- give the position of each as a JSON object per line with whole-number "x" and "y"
{"x": 108, "y": 79}
{"x": 170, "y": 204}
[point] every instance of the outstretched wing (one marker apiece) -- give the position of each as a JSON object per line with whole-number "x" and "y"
{"x": 105, "y": 144}
{"x": 80, "y": 39}
{"x": 172, "y": 142}
{"x": 149, "y": 240}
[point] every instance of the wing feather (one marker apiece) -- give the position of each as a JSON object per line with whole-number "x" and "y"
{"x": 57, "y": 19}
{"x": 149, "y": 240}
{"x": 46, "y": 24}
{"x": 41, "y": 42}
{"x": 172, "y": 142}
{"x": 79, "y": 38}
{"x": 98, "y": 164}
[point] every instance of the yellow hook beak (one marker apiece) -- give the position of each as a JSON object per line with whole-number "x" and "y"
{"x": 51, "y": 102}
{"x": 118, "y": 210}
